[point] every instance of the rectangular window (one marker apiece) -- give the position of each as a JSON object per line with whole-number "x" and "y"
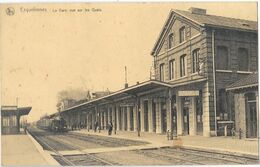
{"x": 221, "y": 59}
{"x": 171, "y": 69}
{"x": 13, "y": 120}
{"x": 5, "y": 121}
{"x": 222, "y": 104}
{"x": 243, "y": 59}
{"x": 182, "y": 65}
{"x": 182, "y": 34}
{"x": 162, "y": 72}
{"x": 195, "y": 60}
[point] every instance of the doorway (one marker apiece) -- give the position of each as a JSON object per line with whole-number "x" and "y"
{"x": 125, "y": 118}
{"x": 131, "y": 118}
{"x": 251, "y": 116}
{"x": 174, "y": 114}
{"x": 164, "y": 117}
{"x": 154, "y": 116}
{"x": 146, "y": 116}
{"x": 186, "y": 120}
{"x": 199, "y": 116}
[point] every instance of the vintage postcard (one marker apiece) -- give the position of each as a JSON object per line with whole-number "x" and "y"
{"x": 95, "y": 84}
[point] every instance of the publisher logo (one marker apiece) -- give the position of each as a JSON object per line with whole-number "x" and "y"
{"x": 10, "y": 11}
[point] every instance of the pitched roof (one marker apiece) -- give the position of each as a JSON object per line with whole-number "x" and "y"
{"x": 248, "y": 81}
{"x": 206, "y": 20}
{"x": 219, "y": 21}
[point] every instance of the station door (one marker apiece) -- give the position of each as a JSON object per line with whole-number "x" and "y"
{"x": 251, "y": 119}
{"x": 164, "y": 117}
{"x": 154, "y": 116}
{"x": 146, "y": 116}
{"x": 186, "y": 125}
{"x": 199, "y": 116}
{"x": 174, "y": 120}
{"x": 131, "y": 118}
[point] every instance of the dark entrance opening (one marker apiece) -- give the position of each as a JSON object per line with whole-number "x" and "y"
{"x": 125, "y": 118}
{"x": 146, "y": 115}
{"x": 110, "y": 114}
{"x": 186, "y": 127}
{"x": 199, "y": 116}
{"x": 114, "y": 121}
{"x": 251, "y": 116}
{"x": 138, "y": 120}
{"x": 120, "y": 118}
{"x": 174, "y": 114}
{"x": 154, "y": 115}
{"x": 131, "y": 118}
{"x": 164, "y": 117}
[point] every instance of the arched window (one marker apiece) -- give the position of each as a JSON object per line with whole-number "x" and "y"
{"x": 195, "y": 60}
{"x": 243, "y": 59}
{"x": 170, "y": 41}
{"x": 222, "y": 60}
{"x": 182, "y": 34}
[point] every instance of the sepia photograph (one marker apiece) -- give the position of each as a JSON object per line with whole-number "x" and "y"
{"x": 127, "y": 84}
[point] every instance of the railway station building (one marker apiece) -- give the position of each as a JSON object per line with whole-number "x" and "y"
{"x": 199, "y": 59}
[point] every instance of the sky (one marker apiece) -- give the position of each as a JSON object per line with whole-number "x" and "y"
{"x": 44, "y": 52}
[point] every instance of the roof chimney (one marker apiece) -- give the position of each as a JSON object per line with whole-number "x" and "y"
{"x": 197, "y": 11}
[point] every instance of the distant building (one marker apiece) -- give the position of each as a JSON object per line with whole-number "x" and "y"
{"x": 66, "y": 103}
{"x": 10, "y": 118}
{"x": 99, "y": 94}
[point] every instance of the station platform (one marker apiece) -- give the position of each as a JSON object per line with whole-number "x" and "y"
{"x": 22, "y": 150}
{"x": 244, "y": 147}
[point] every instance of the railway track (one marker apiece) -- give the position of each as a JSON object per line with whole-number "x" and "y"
{"x": 82, "y": 160}
{"x": 174, "y": 156}
{"x": 72, "y": 160}
{"x": 106, "y": 141}
{"x": 236, "y": 159}
{"x": 196, "y": 157}
{"x": 176, "y": 160}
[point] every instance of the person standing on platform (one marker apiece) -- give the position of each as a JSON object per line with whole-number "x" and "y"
{"x": 110, "y": 128}
{"x": 25, "y": 128}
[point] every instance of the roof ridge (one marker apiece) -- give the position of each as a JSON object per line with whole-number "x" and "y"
{"x": 214, "y": 15}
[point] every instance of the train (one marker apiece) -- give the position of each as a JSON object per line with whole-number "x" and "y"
{"x": 52, "y": 124}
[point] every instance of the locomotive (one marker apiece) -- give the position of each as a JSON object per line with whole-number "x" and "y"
{"x": 52, "y": 124}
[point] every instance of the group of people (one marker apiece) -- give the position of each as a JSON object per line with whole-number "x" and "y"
{"x": 109, "y": 127}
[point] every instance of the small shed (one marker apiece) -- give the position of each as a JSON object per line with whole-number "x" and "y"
{"x": 10, "y": 118}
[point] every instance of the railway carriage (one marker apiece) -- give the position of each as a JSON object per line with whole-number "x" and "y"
{"x": 52, "y": 124}
{"x": 44, "y": 123}
{"x": 58, "y": 125}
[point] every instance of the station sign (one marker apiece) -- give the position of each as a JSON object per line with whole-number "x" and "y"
{"x": 189, "y": 93}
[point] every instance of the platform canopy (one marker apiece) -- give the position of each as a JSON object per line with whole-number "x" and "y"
{"x": 14, "y": 110}
{"x": 24, "y": 110}
{"x": 130, "y": 91}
